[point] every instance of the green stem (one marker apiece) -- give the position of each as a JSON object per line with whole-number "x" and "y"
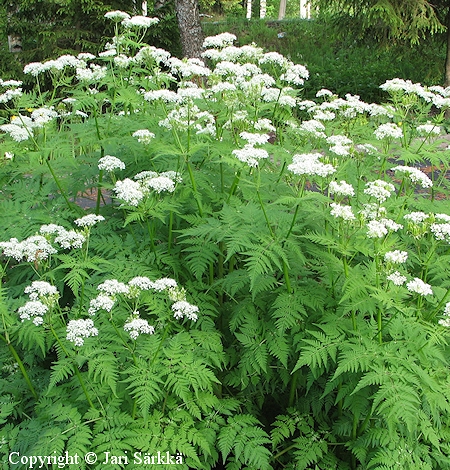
{"x": 293, "y": 388}
{"x": 69, "y": 205}
{"x": 265, "y": 214}
{"x": 21, "y": 366}
{"x": 99, "y": 188}
{"x": 75, "y": 368}
{"x": 170, "y": 236}
{"x": 194, "y": 188}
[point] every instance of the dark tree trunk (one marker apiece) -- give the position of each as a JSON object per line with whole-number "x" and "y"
{"x": 447, "y": 57}
{"x": 190, "y": 28}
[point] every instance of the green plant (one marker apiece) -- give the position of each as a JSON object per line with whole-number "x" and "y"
{"x": 261, "y": 282}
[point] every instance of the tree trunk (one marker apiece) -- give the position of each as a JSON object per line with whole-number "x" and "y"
{"x": 282, "y": 10}
{"x": 262, "y": 8}
{"x": 447, "y": 57}
{"x": 190, "y": 28}
{"x": 249, "y": 9}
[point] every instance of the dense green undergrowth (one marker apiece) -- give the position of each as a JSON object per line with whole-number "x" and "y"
{"x": 261, "y": 282}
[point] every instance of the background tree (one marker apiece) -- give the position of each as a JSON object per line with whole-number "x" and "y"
{"x": 391, "y": 21}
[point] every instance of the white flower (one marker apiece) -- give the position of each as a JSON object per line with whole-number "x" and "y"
{"x": 372, "y": 211}
{"x": 415, "y": 175}
{"x": 309, "y": 164}
{"x": 110, "y": 163}
{"x": 137, "y": 326}
{"x": 313, "y": 127}
{"x": 419, "y": 287}
{"x": 441, "y": 231}
{"x": 129, "y": 191}
{"x": 113, "y": 286}
{"x": 250, "y": 155}
{"x": 273, "y": 58}
{"x": 342, "y": 211}
{"x": 219, "y": 41}
{"x": 70, "y": 239}
{"x": 101, "y": 302}
{"x": 428, "y": 129}
{"x": 396, "y": 278}
{"x": 396, "y": 257}
{"x": 366, "y": 148}
{"x": 141, "y": 283}
{"x": 33, "y": 249}
{"x": 416, "y": 217}
{"x": 376, "y": 229}
{"x": 324, "y": 92}
{"x": 78, "y": 330}
{"x": 379, "y": 189}
{"x": 163, "y": 284}
{"x": 254, "y": 139}
{"x": 34, "y": 68}
{"x": 51, "y": 229}
{"x": 139, "y": 22}
{"x": 160, "y": 184}
{"x": 165, "y": 95}
{"x": 43, "y": 291}
{"x": 184, "y": 309}
{"x": 17, "y": 133}
{"x": 116, "y": 15}
{"x": 341, "y": 189}
{"x": 33, "y": 308}
{"x": 89, "y": 220}
{"x": 446, "y": 320}
{"x": 388, "y": 131}
{"x": 144, "y": 136}
{"x": 391, "y": 225}
{"x": 295, "y": 74}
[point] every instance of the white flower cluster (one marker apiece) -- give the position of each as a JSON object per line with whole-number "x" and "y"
{"x": 380, "y": 228}
{"x": 310, "y": 164}
{"x": 388, "y": 131}
{"x": 341, "y": 189}
{"x": 396, "y": 257}
{"x": 397, "y": 278}
{"x": 54, "y": 66}
{"x": 33, "y": 249}
{"x": 219, "y": 41}
{"x": 313, "y": 127}
{"x": 129, "y": 191}
{"x": 415, "y": 175}
{"x": 419, "y": 287}
{"x": 116, "y": 15}
{"x": 379, "y": 189}
{"x": 14, "y": 92}
{"x": 69, "y": 239}
{"x": 428, "y": 129}
{"x": 43, "y": 291}
{"x": 78, "y": 330}
{"x": 110, "y": 163}
{"x": 441, "y": 231}
{"x": 342, "y": 211}
{"x": 250, "y": 155}
{"x": 185, "y": 309}
{"x": 139, "y": 22}
{"x": 93, "y": 73}
{"x": 34, "y": 309}
{"x": 445, "y": 321}
{"x": 42, "y": 296}
{"x": 144, "y": 136}
{"x": 436, "y": 95}
{"x": 136, "y": 326}
{"x": 101, "y": 302}
{"x": 89, "y": 220}
{"x": 340, "y": 144}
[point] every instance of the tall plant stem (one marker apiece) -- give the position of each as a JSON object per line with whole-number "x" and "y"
{"x": 170, "y": 235}
{"x": 194, "y": 188}
{"x": 21, "y": 366}
{"x": 55, "y": 178}
{"x": 75, "y": 368}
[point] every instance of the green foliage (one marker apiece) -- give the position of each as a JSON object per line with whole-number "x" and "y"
{"x": 199, "y": 265}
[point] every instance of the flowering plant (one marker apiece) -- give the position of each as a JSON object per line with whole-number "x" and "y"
{"x": 257, "y": 279}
